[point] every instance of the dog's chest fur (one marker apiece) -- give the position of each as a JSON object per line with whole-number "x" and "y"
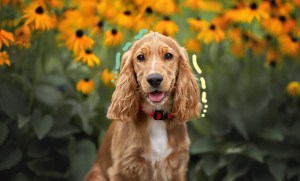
{"x": 159, "y": 141}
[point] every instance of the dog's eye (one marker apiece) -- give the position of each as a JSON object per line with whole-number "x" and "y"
{"x": 141, "y": 57}
{"x": 168, "y": 56}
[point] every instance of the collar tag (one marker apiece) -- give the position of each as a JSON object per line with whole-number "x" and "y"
{"x": 160, "y": 115}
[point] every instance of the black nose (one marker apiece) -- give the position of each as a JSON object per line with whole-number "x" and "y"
{"x": 154, "y": 79}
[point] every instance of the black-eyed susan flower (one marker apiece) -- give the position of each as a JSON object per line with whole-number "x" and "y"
{"x": 166, "y": 27}
{"x": 279, "y": 25}
{"x": 107, "y": 77}
{"x": 144, "y": 19}
{"x": 193, "y": 4}
{"x": 113, "y": 37}
{"x": 88, "y": 58}
{"x": 6, "y": 38}
{"x": 22, "y": 36}
{"x": 85, "y": 86}
{"x": 193, "y": 45}
{"x": 272, "y": 58}
{"x": 293, "y": 88}
{"x": 97, "y": 28}
{"x": 292, "y": 42}
{"x": 253, "y": 11}
{"x": 36, "y": 16}
{"x": 104, "y": 8}
{"x": 211, "y": 33}
{"x": 4, "y": 59}
{"x": 79, "y": 41}
{"x": 166, "y": 7}
{"x": 125, "y": 19}
{"x": 196, "y": 24}
{"x": 212, "y": 6}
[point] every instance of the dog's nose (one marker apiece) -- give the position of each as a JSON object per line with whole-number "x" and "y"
{"x": 154, "y": 79}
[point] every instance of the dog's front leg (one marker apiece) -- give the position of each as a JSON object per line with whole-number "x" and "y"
{"x": 177, "y": 163}
{"x": 130, "y": 168}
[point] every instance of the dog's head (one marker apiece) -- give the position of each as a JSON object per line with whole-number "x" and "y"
{"x": 155, "y": 71}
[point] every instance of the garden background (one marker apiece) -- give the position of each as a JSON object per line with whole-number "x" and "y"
{"x": 58, "y": 65}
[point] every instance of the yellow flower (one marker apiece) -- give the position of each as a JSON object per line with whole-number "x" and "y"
{"x": 279, "y": 25}
{"x": 88, "y": 58}
{"x": 293, "y": 88}
{"x": 272, "y": 58}
{"x": 106, "y": 9}
{"x": 113, "y": 37}
{"x": 193, "y": 45}
{"x": 79, "y": 41}
{"x": 196, "y": 24}
{"x": 37, "y": 17}
{"x": 125, "y": 19}
{"x": 166, "y": 27}
{"x": 107, "y": 77}
{"x": 98, "y": 28}
{"x": 289, "y": 45}
{"x": 211, "y": 33}
{"x": 22, "y": 36}
{"x": 213, "y": 6}
{"x": 253, "y": 11}
{"x": 166, "y": 7}
{"x": 85, "y": 86}
{"x": 144, "y": 19}
{"x": 193, "y": 4}
{"x": 4, "y": 59}
{"x": 6, "y": 38}
{"x": 237, "y": 49}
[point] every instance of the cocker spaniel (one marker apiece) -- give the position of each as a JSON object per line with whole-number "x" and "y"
{"x": 156, "y": 93}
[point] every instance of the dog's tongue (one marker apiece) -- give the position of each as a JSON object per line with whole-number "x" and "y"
{"x": 156, "y": 96}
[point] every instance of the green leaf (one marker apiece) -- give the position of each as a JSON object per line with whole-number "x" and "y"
{"x": 277, "y": 168}
{"x": 237, "y": 121}
{"x": 203, "y": 145}
{"x": 23, "y": 120}
{"x": 63, "y": 130}
{"x": 48, "y": 95}
{"x": 10, "y": 157}
{"x": 272, "y": 134}
{"x": 41, "y": 125}
{"x": 237, "y": 167}
{"x": 254, "y": 152}
{"x": 3, "y": 132}
{"x": 12, "y": 101}
{"x": 83, "y": 155}
{"x": 210, "y": 164}
{"x": 47, "y": 167}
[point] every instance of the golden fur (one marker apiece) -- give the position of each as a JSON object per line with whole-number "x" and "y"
{"x": 124, "y": 152}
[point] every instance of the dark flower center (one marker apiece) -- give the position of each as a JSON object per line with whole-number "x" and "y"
{"x": 198, "y": 18}
{"x": 88, "y": 51}
{"x": 253, "y": 6}
{"x": 100, "y": 24}
{"x": 166, "y": 18}
{"x": 273, "y": 63}
{"x": 234, "y": 7}
{"x": 212, "y": 27}
{"x": 149, "y": 10}
{"x": 79, "y": 33}
{"x": 268, "y": 37}
{"x": 39, "y": 10}
{"x": 294, "y": 39}
{"x": 273, "y": 3}
{"x": 127, "y": 12}
{"x": 245, "y": 37}
{"x": 282, "y": 19}
{"x": 86, "y": 79}
{"x": 114, "y": 31}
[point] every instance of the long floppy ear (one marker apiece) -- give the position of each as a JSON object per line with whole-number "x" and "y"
{"x": 187, "y": 94}
{"x": 125, "y": 103}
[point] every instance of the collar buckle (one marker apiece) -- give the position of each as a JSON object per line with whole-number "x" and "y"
{"x": 160, "y": 115}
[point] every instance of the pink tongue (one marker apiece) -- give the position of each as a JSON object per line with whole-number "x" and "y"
{"x": 156, "y": 96}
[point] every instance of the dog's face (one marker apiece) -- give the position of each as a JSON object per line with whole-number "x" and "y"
{"x": 155, "y": 62}
{"x": 156, "y": 70}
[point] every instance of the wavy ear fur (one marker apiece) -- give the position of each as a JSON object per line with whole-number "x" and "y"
{"x": 187, "y": 94}
{"x": 125, "y": 103}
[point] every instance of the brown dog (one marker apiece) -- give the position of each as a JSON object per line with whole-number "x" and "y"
{"x": 156, "y": 93}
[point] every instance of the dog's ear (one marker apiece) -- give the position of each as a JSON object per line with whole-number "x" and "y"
{"x": 125, "y": 103}
{"x": 187, "y": 94}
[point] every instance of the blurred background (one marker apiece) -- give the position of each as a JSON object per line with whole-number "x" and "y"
{"x": 58, "y": 67}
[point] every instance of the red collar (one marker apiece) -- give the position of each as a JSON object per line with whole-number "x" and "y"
{"x": 158, "y": 114}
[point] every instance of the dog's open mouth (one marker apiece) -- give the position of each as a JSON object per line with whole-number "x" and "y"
{"x": 157, "y": 96}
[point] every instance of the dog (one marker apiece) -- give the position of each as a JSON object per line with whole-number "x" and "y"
{"x": 156, "y": 94}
